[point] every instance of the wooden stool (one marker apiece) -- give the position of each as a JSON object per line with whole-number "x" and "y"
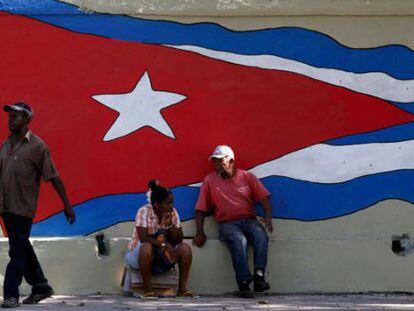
{"x": 165, "y": 284}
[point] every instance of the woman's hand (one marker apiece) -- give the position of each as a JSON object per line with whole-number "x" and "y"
{"x": 166, "y": 220}
{"x": 170, "y": 253}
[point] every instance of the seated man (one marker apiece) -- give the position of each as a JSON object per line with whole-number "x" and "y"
{"x": 231, "y": 194}
{"x": 157, "y": 241}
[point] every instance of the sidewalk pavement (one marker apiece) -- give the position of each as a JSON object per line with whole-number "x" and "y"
{"x": 204, "y": 303}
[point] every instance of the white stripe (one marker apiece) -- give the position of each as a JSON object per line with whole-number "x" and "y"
{"x": 334, "y": 164}
{"x": 377, "y": 84}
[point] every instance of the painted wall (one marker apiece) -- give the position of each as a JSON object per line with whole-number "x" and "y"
{"x": 315, "y": 98}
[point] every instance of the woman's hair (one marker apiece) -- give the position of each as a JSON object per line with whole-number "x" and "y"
{"x": 158, "y": 193}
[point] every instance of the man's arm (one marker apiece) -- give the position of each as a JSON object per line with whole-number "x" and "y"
{"x": 261, "y": 194}
{"x": 268, "y": 213}
{"x": 59, "y": 187}
{"x": 200, "y": 237}
{"x": 203, "y": 205}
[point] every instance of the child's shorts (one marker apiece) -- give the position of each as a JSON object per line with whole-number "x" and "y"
{"x": 159, "y": 265}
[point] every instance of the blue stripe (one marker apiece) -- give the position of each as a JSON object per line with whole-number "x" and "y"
{"x": 291, "y": 199}
{"x": 392, "y": 134}
{"x": 38, "y": 7}
{"x": 409, "y": 107}
{"x": 288, "y": 42}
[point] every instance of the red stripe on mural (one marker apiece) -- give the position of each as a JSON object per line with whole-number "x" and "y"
{"x": 263, "y": 114}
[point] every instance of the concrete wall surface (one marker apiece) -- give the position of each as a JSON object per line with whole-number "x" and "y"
{"x": 248, "y": 8}
{"x": 315, "y": 97}
{"x": 301, "y": 259}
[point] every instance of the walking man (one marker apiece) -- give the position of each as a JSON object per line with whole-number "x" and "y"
{"x": 231, "y": 193}
{"x": 24, "y": 160}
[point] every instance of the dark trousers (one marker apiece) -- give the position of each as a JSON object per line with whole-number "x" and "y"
{"x": 23, "y": 261}
{"x": 237, "y": 235}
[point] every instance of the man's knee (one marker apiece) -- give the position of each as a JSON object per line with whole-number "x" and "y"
{"x": 259, "y": 234}
{"x": 18, "y": 248}
{"x": 238, "y": 240}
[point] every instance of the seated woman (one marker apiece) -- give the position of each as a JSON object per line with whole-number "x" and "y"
{"x": 157, "y": 241}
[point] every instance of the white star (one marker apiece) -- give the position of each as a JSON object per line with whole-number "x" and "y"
{"x": 141, "y": 107}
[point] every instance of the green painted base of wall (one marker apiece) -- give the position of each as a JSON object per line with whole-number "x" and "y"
{"x": 347, "y": 254}
{"x": 295, "y": 266}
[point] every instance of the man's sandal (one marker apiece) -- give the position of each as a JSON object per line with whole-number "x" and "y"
{"x": 187, "y": 294}
{"x": 36, "y": 298}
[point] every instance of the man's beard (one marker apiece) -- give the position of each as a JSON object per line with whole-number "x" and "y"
{"x": 226, "y": 173}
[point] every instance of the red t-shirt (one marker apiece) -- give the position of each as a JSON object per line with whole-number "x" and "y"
{"x": 231, "y": 199}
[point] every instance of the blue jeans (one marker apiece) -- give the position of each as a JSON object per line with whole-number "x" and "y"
{"x": 237, "y": 235}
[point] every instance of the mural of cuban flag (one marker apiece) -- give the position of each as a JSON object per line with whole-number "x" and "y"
{"x": 122, "y": 100}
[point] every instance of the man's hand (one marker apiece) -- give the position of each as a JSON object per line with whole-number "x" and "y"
{"x": 200, "y": 239}
{"x": 57, "y": 184}
{"x": 267, "y": 221}
{"x": 70, "y": 214}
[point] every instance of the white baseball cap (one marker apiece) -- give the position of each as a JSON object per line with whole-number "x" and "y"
{"x": 221, "y": 152}
{"x": 19, "y": 107}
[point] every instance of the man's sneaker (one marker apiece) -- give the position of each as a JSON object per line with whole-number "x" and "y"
{"x": 10, "y": 303}
{"x": 36, "y": 298}
{"x": 260, "y": 285}
{"x": 245, "y": 291}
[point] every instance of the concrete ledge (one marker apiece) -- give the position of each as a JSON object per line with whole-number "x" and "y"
{"x": 295, "y": 266}
{"x": 248, "y": 7}
{"x": 230, "y": 8}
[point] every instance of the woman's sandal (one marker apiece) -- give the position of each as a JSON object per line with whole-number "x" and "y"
{"x": 187, "y": 294}
{"x": 149, "y": 296}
